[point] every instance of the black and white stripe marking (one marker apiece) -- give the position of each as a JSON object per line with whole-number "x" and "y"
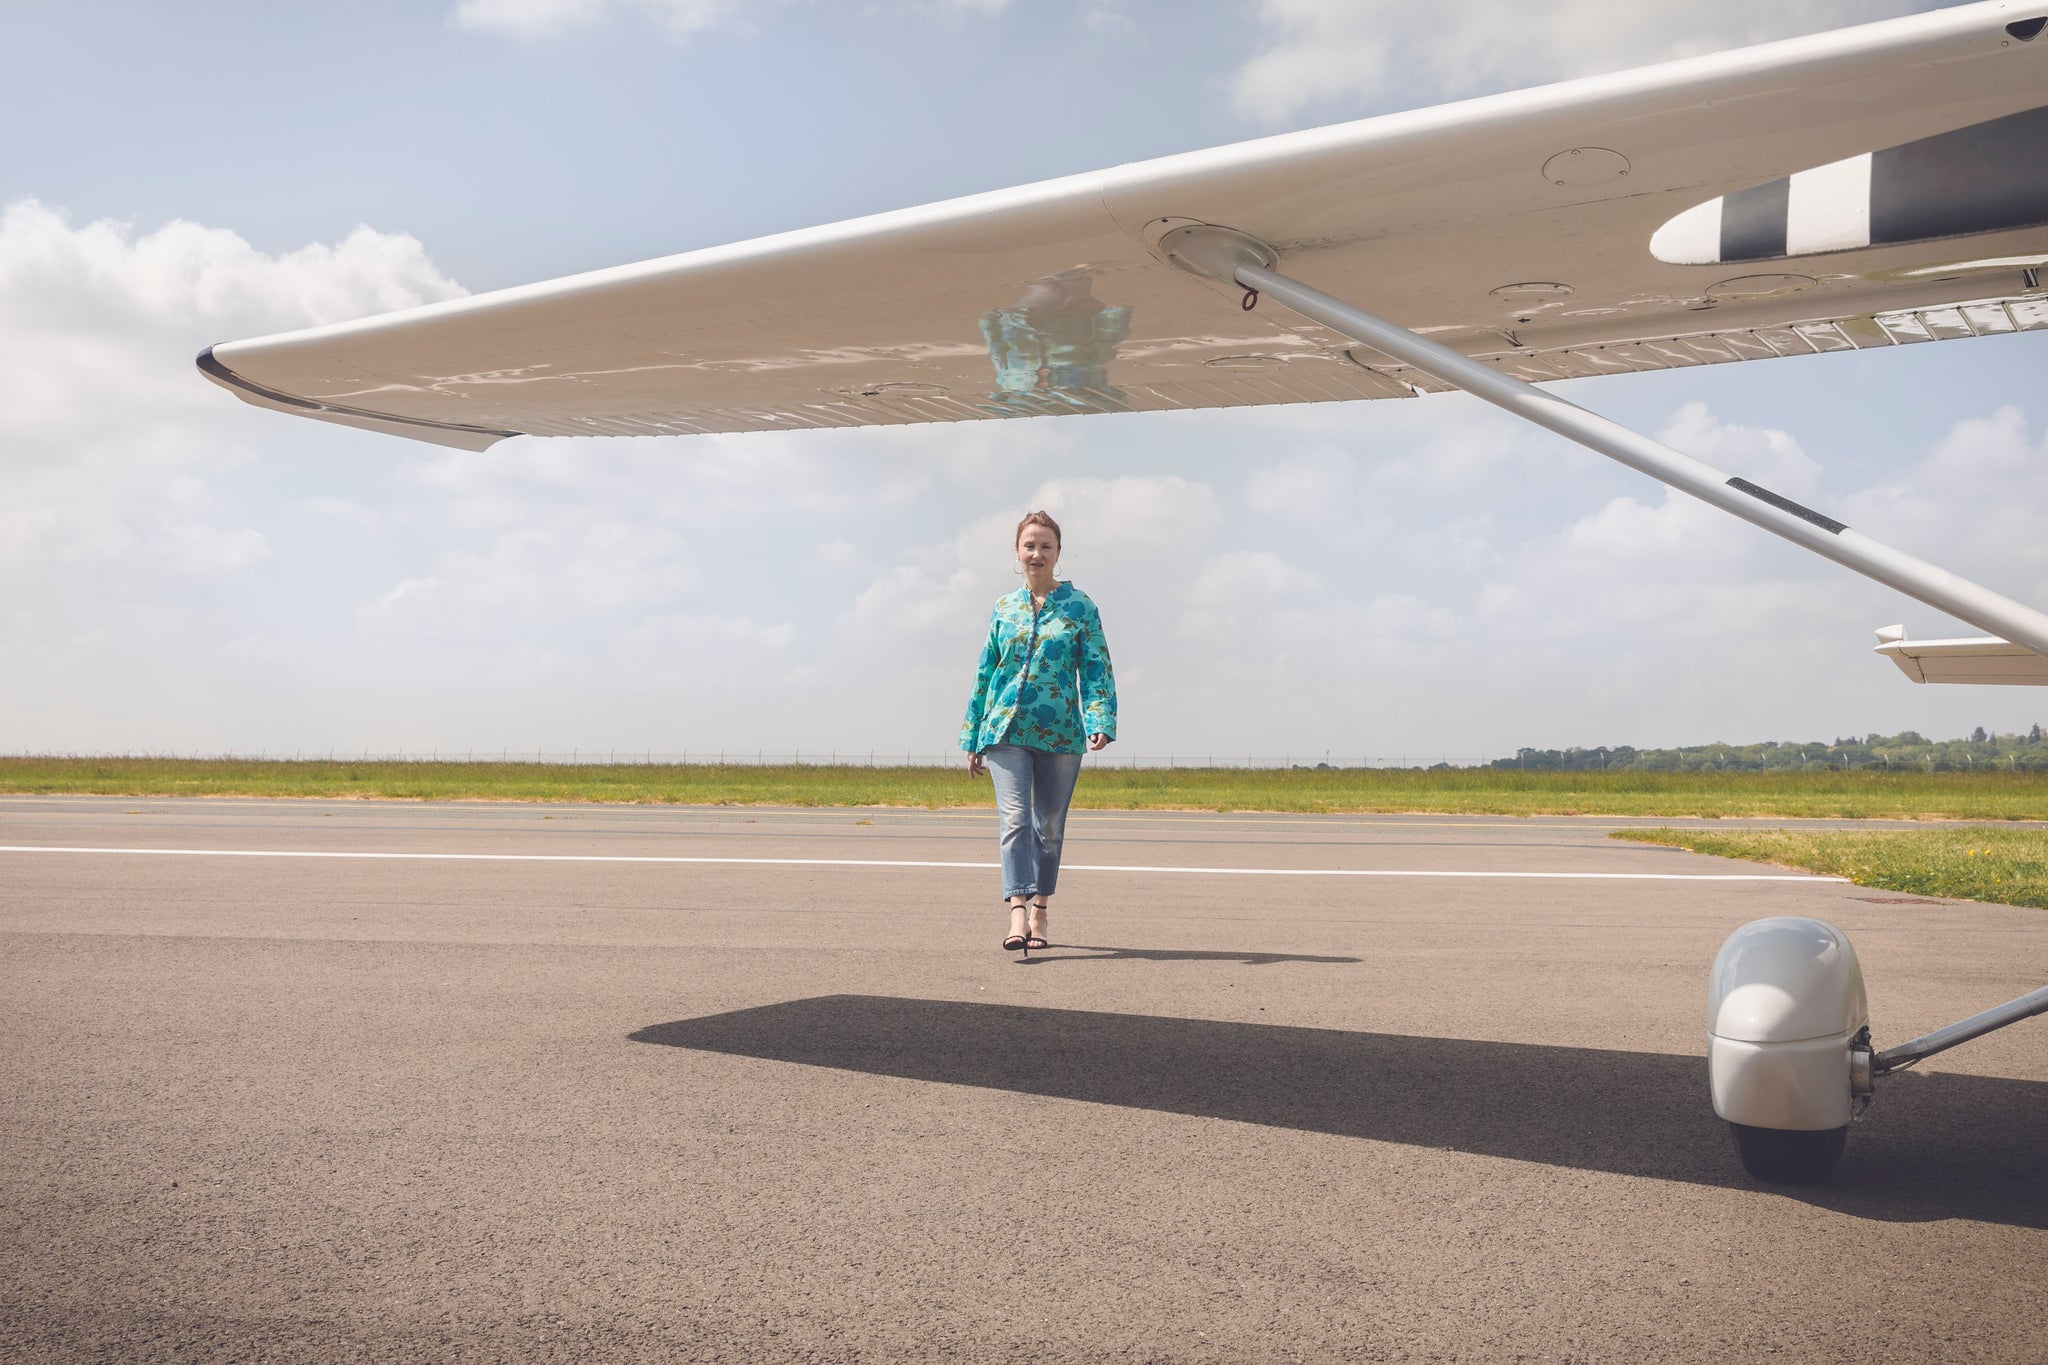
{"x": 1984, "y": 178}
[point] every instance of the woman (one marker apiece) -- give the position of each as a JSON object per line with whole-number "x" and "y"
{"x": 1044, "y": 693}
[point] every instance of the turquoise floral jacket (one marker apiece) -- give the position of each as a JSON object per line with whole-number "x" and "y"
{"x": 1044, "y": 680}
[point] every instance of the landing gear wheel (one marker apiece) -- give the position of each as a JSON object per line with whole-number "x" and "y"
{"x": 1786, "y": 1157}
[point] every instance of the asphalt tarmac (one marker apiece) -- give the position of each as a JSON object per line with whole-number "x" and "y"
{"x": 577, "y": 1097}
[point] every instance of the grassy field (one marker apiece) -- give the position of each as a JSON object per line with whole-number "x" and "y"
{"x": 2005, "y": 866}
{"x": 1855, "y": 794}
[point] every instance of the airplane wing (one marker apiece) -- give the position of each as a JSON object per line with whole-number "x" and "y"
{"x": 1986, "y": 659}
{"x": 1788, "y": 199}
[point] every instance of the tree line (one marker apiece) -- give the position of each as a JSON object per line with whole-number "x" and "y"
{"x": 1908, "y": 749}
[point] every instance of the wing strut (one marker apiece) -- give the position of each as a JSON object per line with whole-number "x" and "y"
{"x": 1976, "y": 1026}
{"x": 1230, "y": 256}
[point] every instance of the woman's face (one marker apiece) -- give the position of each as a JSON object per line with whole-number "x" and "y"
{"x": 1038, "y": 549}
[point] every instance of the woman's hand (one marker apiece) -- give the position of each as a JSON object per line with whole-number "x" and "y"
{"x": 976, "y": 765}
{"x": 1097, "y": 743}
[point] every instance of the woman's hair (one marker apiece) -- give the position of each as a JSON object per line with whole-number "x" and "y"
{"x": 1037, "y": 519}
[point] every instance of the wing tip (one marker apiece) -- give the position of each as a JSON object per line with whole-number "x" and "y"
{"x": 456, "y": 434}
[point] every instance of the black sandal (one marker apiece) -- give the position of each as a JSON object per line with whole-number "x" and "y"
{"x": 1033, "y": 940}
{"x": 1015, "y": 942}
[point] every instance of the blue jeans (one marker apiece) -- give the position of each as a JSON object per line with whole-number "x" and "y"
{"x": 1033, "y": 788}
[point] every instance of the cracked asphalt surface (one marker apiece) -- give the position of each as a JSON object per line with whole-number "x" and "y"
{"x": 305, "y": 1109}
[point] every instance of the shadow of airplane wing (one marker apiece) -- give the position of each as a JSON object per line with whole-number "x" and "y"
{"x": 1940, "y": 1145}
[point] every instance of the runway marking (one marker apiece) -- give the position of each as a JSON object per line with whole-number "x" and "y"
{"x": 898, "y": 862}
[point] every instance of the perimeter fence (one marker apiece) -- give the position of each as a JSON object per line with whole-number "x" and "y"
{"x": 768, "y": 758}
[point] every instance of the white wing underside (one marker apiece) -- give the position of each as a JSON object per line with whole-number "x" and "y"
{"x": 1514, "y": 228}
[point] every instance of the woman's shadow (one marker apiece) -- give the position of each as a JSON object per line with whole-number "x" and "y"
{"x": 1086, "y": 952}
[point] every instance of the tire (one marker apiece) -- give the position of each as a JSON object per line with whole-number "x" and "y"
{"x": 1785, "y": 1157}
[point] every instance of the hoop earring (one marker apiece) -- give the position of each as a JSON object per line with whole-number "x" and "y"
{"x": 1019, "y": 571}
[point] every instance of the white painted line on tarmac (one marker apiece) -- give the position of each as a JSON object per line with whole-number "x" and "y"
{"x": 899, "y": 862}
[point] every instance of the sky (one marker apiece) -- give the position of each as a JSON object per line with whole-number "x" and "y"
{"x": 1415, "y": 581}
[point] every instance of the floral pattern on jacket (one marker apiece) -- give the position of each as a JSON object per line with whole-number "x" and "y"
{"x": 1044, "y": 680}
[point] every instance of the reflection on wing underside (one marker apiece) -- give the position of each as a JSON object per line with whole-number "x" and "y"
{"x": 1051, "y": 349}
{"x": 1169, "y": 388}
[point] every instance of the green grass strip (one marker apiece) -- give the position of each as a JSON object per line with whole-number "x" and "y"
{"x": 1853, "y": 794}
{"x": 2002, "y": 866}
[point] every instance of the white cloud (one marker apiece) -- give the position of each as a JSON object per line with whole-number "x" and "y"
{"x": 1306, "y": 488}
{"x": 1241, "y": 584}
{"x": 1320, "y": 52}
{"x": 197, "y": 548}
{"x": 1974, "y": 505}
{"x": 1256, "y": 578}
{"x": 917, "y": 598}
{"x": 933, "y": 588}
{"x": 372, "y": 521}
{"x": 543, "y": 18}
{"x": 110, "y": 442}
{"x": 838, "y": 558}
{"x": 1162, "y": 522}
{"x": 1677, "y": 569}
{"x": 695, "y": 653}
{"x": 1111, "y": 17}
{"x": 531, "y": 19}
{"x": 97, "y": 312}
{"x": 1121, "y": 515}
{"x": 697, "y": 482}
{"x": 540, "y": 575}
{"x": 1399, "y": 618}
{"x": 1282, "y": 619}
{"x": 1664, "y": 597}
{"x": 1761, "y": 454}
{"x": 1627, "y": 538}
